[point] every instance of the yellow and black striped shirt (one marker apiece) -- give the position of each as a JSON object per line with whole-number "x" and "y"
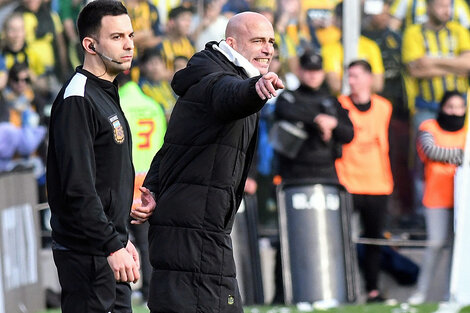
{"x": 450, "y": 41}
{"x": 170, "y": 49}
{"x": 161, "y": 92}
{"x": 415, "y": 12}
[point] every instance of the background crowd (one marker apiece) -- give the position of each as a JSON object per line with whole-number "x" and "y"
{"x": 416, "y": 51}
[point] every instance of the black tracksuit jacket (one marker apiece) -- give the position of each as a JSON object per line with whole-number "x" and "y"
{"x": 90, "y": 176}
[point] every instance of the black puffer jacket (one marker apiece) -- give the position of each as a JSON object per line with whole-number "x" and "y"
{"x": 198, "y": 177}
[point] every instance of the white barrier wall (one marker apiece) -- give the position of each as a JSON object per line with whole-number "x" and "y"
{"x": 20, "y": 288}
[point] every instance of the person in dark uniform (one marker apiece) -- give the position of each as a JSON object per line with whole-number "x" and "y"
{"x": 199, "y": 174}
{"x": 326, "y": 124}
{"x": 90, "y": 176}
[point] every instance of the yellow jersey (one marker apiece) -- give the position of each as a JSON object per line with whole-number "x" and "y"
{"x": 368, "y": 50}
{"x": 414, "y": 12}
{"x": 45, "y": 44}
{"x": 27, "y": 55}
{"x": 170, "y": 49}
{"x": 419, "y": 41}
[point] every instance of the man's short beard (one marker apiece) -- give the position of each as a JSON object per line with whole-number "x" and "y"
{"x": 436, "y": 21}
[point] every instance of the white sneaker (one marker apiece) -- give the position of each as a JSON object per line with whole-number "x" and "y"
{"x": 417, "y": 298}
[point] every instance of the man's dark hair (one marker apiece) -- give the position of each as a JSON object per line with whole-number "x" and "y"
{"x": 89, "y": 19}
{"x": 177, "y": 11}
{"x": 149, "y": 54}
{"x": 15, "y": 70}
{"x": 362, "y": 63}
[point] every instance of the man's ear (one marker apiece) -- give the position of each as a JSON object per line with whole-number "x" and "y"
{"x": 89, "y": 45}
{"x": 232, "y": 42}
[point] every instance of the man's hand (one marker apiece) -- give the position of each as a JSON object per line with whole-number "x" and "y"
{"x": 123, "y": 266}
{"x": 133, "y": 252}
{"x": 267, "y": 85}
{"x": 143, "y": 212}
{"x": 251, "y": 186}
{"x": 326, "y": 123}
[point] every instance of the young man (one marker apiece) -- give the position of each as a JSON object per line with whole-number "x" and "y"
{"x": 177, "y": 41}
{"x": 199, "y": 175}
{"x": 90, "y": 176}
{"x": 364, "y": 169}
{"x": 437, "y": 55}
{"x": 154, "y": 80}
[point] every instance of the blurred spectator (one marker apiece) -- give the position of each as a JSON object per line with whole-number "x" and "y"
{"x": 287, "y": 20}
{"x": 68, "y": 13}
{"x": 440, "y": 144}
{"x": 176, "y": 41}
{"x": 154, "y": 80}
{"x": 364, "y": 168}
{"x": 145, "y": 18}
{"x": 211, "y": 25}
{"x": 232, "y": 7}
{"x": 179, "y": 63}
{"x": 390, "y": 43}
{"x": 21, "y": 110}
{"x": 321, "y": 116}
{"x": 316, "y": 20}
{"x": 148, "y": 125}
{"x": 333, "y": 58}
{"x": 437, "y": 54}
{"x": 44, "y": 33}
{"x": 15, "y": 49}
{"x": 405, "y": 13}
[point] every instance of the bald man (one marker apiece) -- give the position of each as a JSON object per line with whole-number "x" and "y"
{"x": 199, "y": 174}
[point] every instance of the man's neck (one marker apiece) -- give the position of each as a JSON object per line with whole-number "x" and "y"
{"x": 361, "y": 97}
{"x": 175, "y": 37}
{"x": 100, "y": 72}
{"x": 97, "y": 67}
{"x": 434, "y": 26}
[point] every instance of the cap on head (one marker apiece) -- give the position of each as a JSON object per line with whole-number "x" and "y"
{"x": 310, "y": 60}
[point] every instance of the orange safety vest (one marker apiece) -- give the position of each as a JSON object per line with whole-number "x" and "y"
{"x": 439, "y": 176}
{"x": 364, "y": 167}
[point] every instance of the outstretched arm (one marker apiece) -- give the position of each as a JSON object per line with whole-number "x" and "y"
{"x": 234, "y": 98}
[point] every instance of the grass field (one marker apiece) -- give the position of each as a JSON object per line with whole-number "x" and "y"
{"x": 371, "y": 308}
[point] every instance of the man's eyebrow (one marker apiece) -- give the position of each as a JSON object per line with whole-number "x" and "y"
{"x": 263, "y": 38}
{"x": 123, "y": 33}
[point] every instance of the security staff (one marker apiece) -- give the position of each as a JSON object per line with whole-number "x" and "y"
{"x": 440, "y": 144}
{"x": 320, "y": 115}
{"x": 364, "y": 168}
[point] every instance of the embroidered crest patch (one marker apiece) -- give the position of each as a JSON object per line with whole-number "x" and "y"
{"x": 117, "y": 129}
